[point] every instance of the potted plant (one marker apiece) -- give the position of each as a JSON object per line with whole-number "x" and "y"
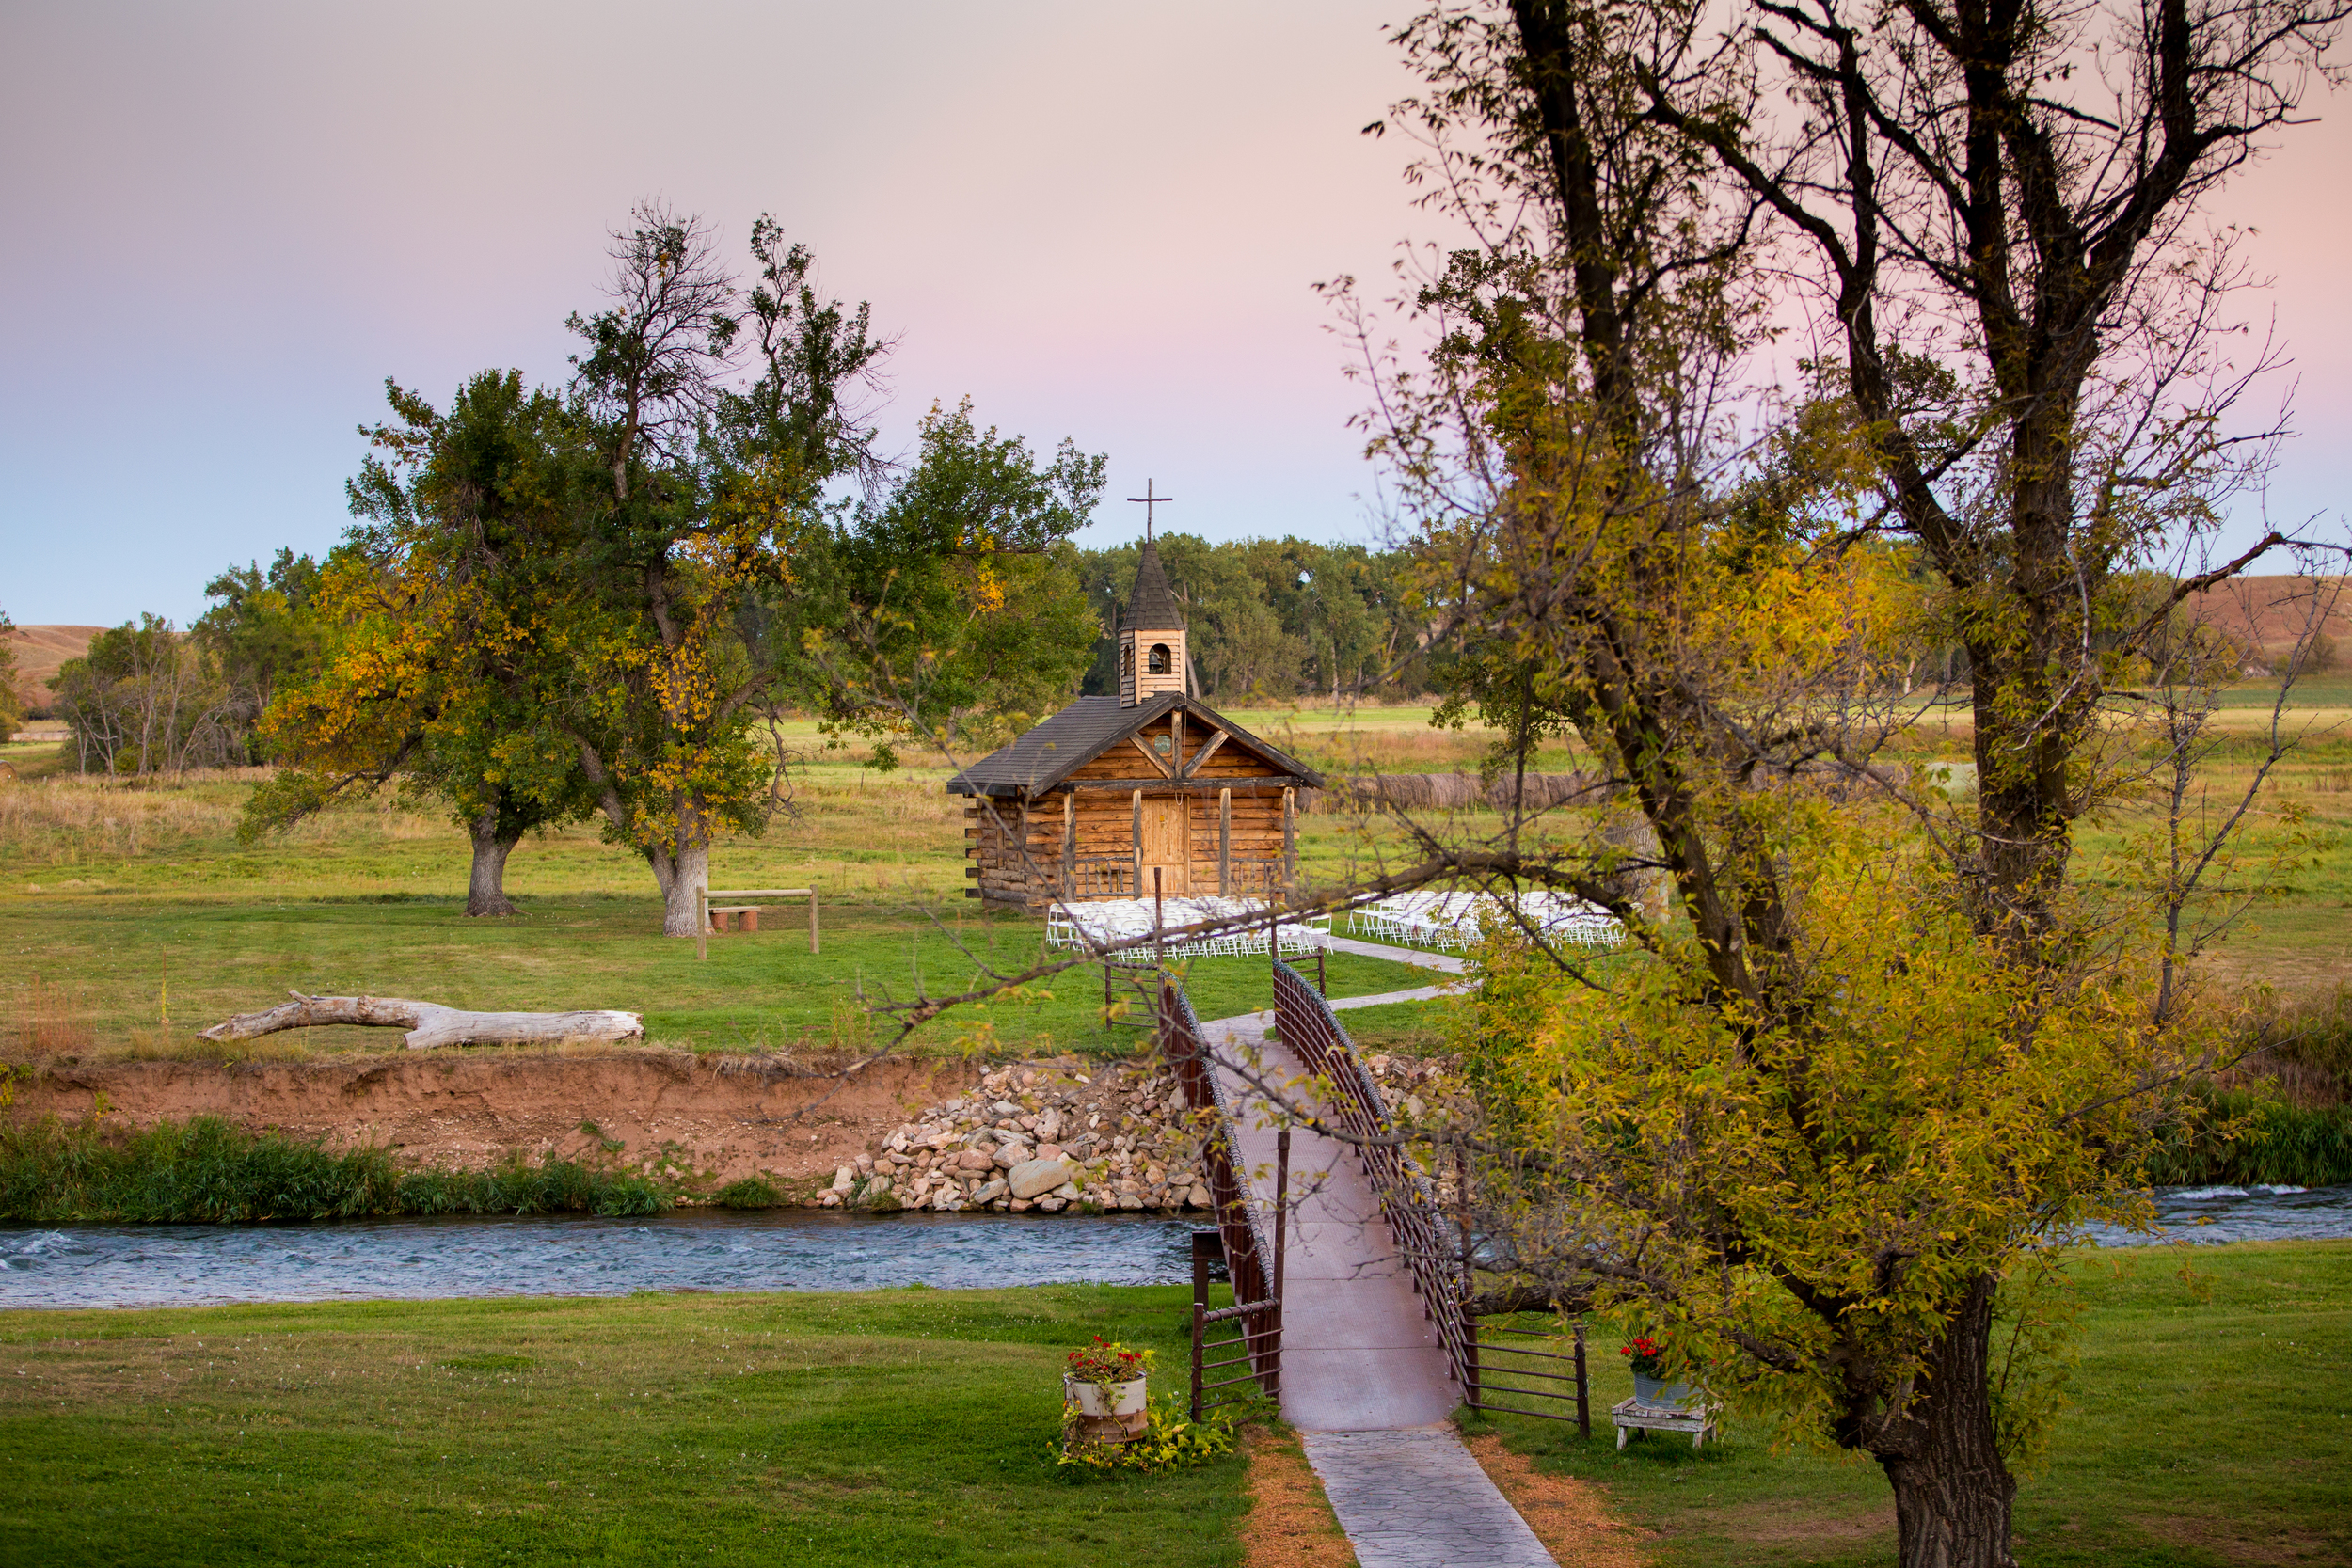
{"x": 1646, "y": 1357}
{"x": 1102, "y": 1392}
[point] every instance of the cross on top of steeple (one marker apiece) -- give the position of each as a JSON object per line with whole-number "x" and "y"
{"x": 1147, "y": 499}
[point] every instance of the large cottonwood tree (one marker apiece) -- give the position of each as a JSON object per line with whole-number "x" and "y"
{"x": 1826, "y": 1132}
{"x": 439, "y": 612}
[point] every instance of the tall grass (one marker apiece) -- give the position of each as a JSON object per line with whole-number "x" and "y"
{"x": 2244, "y": 1135}
{"x": 205, "y": 1171}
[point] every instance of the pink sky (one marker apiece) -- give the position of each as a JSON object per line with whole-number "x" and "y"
{"x": 231, "y": 222}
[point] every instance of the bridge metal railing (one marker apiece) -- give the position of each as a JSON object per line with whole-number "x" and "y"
{"x": 1408, "y": 1199}
{"x": 1502, "y": 1361}
{"x": 1248, "y": 1333}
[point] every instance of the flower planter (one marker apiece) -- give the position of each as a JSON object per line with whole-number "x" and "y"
{"x": 1120, "y": 1420}
{"x": 1649, "y": 1393}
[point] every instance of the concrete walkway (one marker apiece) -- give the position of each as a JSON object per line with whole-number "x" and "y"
{"x": 1417, "y": 1500}
{"x": 1364, "y": 1374}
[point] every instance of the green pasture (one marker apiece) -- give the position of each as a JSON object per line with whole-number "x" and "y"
{"x": 111, "y": 966}
{"x": 902, "y": 1427}
{"x": 2209, "y": 1425}
{"x": 133, "y": 915}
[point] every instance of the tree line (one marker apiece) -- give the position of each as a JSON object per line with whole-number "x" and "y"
{"x": 599, "y": 600}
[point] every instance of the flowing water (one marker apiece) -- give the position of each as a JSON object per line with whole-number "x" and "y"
{"x": 2255, "y": 1214}
{"x": 188, "y": 1265}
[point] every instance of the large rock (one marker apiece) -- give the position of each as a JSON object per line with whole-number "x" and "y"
{"x": 1035, "y": 1177}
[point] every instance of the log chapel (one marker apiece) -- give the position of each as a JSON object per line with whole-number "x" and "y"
{"x": 1114, "y": 795}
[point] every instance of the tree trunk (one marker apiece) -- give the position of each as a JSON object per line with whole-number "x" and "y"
{"x": 486, "y": 888}
{"x": 680, "y": 875}
{"x": 1952, "y": 1491}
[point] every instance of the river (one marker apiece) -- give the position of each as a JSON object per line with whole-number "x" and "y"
{"x": 191, "y": 1265}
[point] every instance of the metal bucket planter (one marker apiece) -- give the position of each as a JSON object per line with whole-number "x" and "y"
{"x": 1121, "y": 1418}
{"x": 1651, "y": 1394}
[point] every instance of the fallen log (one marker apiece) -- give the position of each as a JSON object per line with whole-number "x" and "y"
{"x": 429, "y": 1023}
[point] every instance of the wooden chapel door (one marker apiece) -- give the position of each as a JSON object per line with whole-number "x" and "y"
{"x": 1165, "y": 846}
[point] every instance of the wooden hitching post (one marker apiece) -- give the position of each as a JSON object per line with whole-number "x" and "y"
{"x": 1224, "y": 842}
{"x": 1290, "y": 836}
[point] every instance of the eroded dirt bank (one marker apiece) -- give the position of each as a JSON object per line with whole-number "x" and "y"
{"x": 720, "y": 1117}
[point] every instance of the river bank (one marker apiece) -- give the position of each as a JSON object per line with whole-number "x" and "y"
{"x": 717, "y": 1118}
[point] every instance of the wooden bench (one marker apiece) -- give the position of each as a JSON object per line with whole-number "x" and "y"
{"x": 1632, "y": 1418}
{"x": 714, "y": 916}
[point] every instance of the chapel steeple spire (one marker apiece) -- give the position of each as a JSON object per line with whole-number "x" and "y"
{"x": 1151, "y": 653}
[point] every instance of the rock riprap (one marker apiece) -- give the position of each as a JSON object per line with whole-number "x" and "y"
{"x": 1066, "y": 1136}
{"x": 1043, "y": 1136}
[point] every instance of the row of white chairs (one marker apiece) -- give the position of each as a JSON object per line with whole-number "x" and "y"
{"x": 1446, "y": 921}
{"x": 1105, "y": 921}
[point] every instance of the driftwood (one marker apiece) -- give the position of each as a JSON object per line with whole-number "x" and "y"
{"x": 429, "y": 1023}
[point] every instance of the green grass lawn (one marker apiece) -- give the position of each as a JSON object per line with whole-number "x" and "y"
{"x": 904, "y": 1427}
{"x": 2211, "y": 1424}
{"x": 119, "y": 903}
{"x": 104, "y": 965}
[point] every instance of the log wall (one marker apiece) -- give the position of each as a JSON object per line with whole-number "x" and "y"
{"x": 1235, "y": 807}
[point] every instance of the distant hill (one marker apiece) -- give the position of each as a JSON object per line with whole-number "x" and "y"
{"x": 40, "y": 653}
{"x": 2268, "y": 613}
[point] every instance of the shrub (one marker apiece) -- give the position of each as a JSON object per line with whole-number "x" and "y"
{"x": 753, "y": 1192}
{"x": 206, "y": 1171}
{"x": 2243, "y": 1136}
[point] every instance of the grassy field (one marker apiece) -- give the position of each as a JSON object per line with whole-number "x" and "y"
{"x": 122, "y": 908}
{"x": 2211, "y": 1424}
{"x": 100, "y": 972}
{"x": 905, "y": 1427}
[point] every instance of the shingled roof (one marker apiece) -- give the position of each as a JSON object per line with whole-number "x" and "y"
{"x": 1152, "y": 607}
{"x": 1045, "y": 756}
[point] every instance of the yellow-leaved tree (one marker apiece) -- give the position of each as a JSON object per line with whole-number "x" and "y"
{"x": 1821, "y": 1128}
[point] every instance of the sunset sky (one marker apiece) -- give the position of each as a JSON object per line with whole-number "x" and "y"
{"x": 230, "y": 223}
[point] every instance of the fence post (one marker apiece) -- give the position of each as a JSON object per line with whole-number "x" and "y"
{"x": 1201, "y": 1243}
{"x": 1281, "y": 1209}
{"x": 814, "y": 946}
{"x": 1273, "y": 953}
{"x": 1583, "y": 1406}
{"x": 1471, "y": 1376}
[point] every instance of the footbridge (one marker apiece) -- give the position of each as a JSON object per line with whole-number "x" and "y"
{"x": 1351, "y": 1302}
